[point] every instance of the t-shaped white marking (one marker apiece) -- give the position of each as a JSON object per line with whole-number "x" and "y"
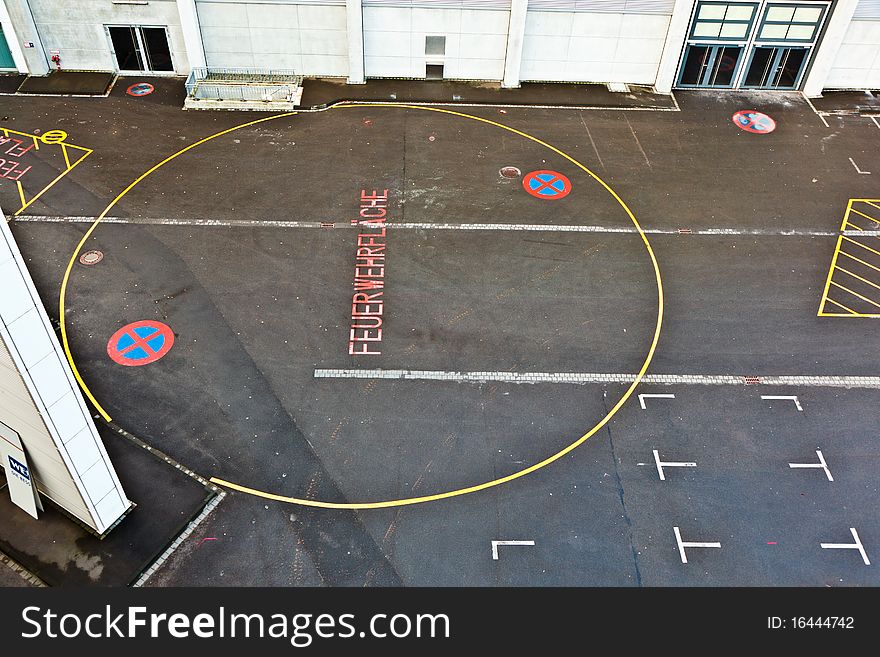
{"x": 821, "y": 464}
{"x": 690, "y": 544}
{"x": 849, "y": 546}
{"x": 670, "y": 464}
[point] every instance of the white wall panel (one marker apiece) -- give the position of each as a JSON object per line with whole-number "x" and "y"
{"x": 857, "y": 65}
{"x": 593, "y": 47}
{"x": 312, "y": 39}
{"x": 394, "y": 41}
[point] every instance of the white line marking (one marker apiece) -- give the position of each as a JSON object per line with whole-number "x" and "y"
{"x": 598, "y": 157}
{"x": 676, "y": 108}
{"x": 864, "y": 382}
{"x": 689, "y": 544}
{"x": 864, "y": 173}
{"x": 496, "y": 544}
{"x": 813, "y": 107}
{"x": 874, "y": 119}
{"x": 849, "y": 546}
{"x": 557, "y": 228}
{"x": 638, "y": 143}
{"x": 646, "y": 396}
{"x": 792, "y": 398}
{"x": 820, "y": 464}
{"x": 670, "y": 464}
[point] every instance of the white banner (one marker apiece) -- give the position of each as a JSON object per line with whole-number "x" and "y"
{"x": 18, "y": 472}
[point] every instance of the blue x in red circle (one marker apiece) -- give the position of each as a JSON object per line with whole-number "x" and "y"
{"x": 547, "y": 185}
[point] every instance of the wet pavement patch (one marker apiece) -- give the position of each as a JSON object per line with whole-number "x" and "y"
{"x": 61, "y": 553}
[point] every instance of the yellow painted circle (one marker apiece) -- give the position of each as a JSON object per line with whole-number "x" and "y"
{"x": 409, "y": 500}
{"x": 53, "y": 137}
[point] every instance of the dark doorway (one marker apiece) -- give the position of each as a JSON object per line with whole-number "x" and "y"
{"x": 141, "y": 48}
{"x": 125, "y": 45}
{"x": 775, "y": 67}
{"x": 434, "y": 71}
{"x": 710, "y": 66}
{"x": 156, "y": 46}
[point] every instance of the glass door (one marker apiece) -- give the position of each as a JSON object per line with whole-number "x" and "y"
{"x": 141, "y": 48}
{"x": 710, "y": 66}
{"x": 775, "y": 67}
{"x": 762, "y": 44}
{"x": 126, "y": 46}
{"x": 156, "y": 48}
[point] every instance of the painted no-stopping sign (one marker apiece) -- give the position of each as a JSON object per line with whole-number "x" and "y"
{"x": 140, "y": 89}
{"x": 547, "y": 185}
{"x": 140, "y": 343}
{"x": 754, "y": 121}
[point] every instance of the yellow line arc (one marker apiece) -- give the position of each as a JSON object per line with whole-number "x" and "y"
{"x": 412, "y": 500}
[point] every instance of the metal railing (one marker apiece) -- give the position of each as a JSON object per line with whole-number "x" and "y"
{"x": 244, "y": 84}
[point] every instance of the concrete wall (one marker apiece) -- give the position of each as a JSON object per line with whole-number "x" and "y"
{"x": 308, "y": 38}
{"x": 394, "y": 42}
{"x": 857, "y": 64}
{"x": 18, "y": 20}
{"x": 76, "y": 28}
{"x": 593, "y": 47}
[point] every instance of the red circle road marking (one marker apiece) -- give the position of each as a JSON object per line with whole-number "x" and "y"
{"x": 753, "y": 121}
{"x": 140, "y": 343}
{"x": 140, "y": 89}
{"x": 547, "y": 185}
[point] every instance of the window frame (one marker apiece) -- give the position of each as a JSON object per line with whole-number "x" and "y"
{"x": 817, "y": 25}
{"x": 692, "y": 37}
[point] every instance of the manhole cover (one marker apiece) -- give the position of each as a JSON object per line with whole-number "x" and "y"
{"x": 510, "y": 172}
{"x": 90, "y": 258}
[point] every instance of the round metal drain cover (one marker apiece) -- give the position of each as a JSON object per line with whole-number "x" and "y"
{"x": 90, "y": 258}
{"x": 510, "y": 172}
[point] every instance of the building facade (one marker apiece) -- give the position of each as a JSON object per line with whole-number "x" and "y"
{"x": 807, "y": 45}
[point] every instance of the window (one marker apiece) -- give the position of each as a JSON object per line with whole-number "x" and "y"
{"x": 435, "y": 45}
{"x": 790, "y": 22}
{"x": 723, "y": 20}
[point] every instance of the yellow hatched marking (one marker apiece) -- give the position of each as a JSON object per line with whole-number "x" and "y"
{"x": 837, "y": 303}
{"x": 855, "y": 294}
{"x": 830, "y": 274}
{"x": 861, "y": 245}
{"x": 864, "y": 280}
{"x": 20, "y": 192}
{"x": 838, "y": 251}
{"x": 866, "y": 216}
{"x": 867, "y": 264}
